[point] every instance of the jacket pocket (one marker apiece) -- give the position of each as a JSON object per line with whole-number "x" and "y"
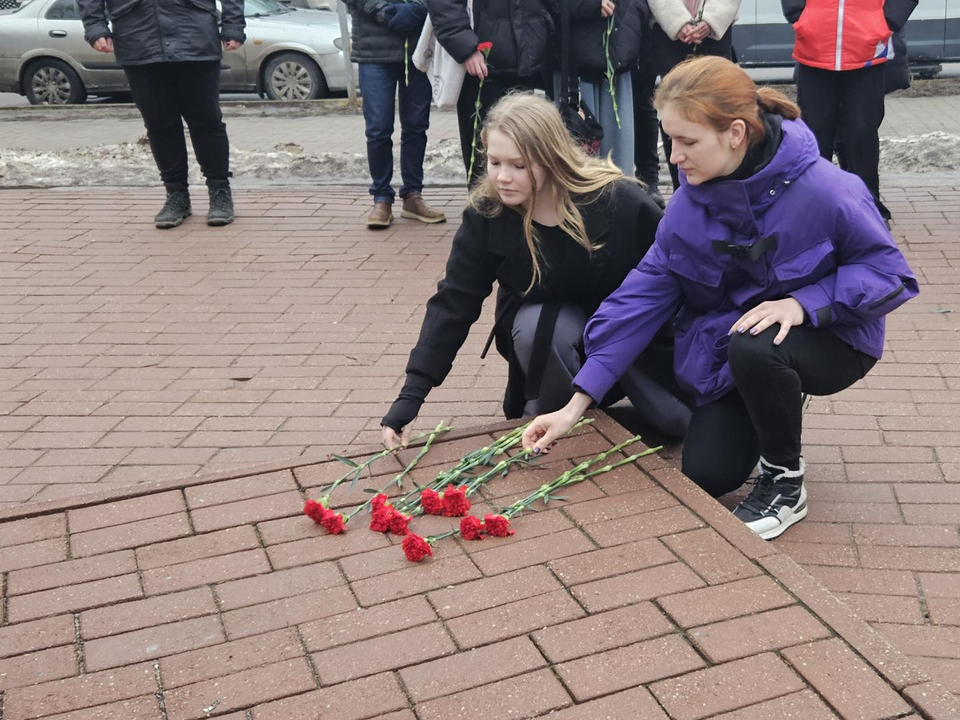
{"x": 702, "y": 284}
{"x": 118, "y": 8}
{"x": 808, "y": 265}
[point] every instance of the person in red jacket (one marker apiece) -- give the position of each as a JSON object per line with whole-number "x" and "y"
{"x": 841, "y": 48}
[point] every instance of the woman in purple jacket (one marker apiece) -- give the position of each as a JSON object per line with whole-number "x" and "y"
{"x": 782, "y": 271}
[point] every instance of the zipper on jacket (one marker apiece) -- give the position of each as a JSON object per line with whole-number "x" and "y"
{"x": 840, "y": 35}
{"x": 888, "y": 297}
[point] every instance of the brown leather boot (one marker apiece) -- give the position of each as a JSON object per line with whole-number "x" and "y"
{"x": 415, "y": 208}
{"x": 381, "y": 216}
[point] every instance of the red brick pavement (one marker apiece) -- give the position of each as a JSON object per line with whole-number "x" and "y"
{"x": 639, "y": 597}
{"x": 130, "y": 355}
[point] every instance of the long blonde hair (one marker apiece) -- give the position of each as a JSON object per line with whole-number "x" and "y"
{"x": 714, "y": 91}
{"x": 536, "y": 128}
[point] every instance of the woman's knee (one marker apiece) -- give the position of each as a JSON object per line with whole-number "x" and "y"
{"x": 747, "y": 353}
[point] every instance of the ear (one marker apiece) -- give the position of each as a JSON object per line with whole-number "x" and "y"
{"x": 738, "y": 132}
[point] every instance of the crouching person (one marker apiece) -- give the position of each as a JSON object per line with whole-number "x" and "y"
{"x": 171, "y": 53}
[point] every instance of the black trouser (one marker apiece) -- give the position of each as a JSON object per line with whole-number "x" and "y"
{"x": 849, "y": 104}
{"x": 646, "y": 156}
{"x": 166, "y": 94}
{"x": 493, "y": 89}
{"x": 763, "y": 415}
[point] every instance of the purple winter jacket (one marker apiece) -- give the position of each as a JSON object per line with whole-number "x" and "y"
{"x": 799, "y": 227}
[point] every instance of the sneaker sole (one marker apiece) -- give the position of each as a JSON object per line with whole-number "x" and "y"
{"x": 380, "y": 223}
{"x": 421, "y": 218}
{"x": 780, "y": 529}
{"x": 168, "y": 225}
{"x": 219, "y": 223}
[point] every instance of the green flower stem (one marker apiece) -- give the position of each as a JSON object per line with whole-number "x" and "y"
{"x": 423, "y": 451}
{"x": 611, "y": 77}
{"x": 476, "y": 124}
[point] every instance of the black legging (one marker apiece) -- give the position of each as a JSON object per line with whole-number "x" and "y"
{"x": 763, "y": 415}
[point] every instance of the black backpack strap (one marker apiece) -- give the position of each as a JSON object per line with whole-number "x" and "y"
{"x": 542, "y": 339}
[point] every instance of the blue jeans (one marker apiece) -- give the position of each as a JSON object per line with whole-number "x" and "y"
{"x": 617, "y": 139}
{"x": 378, "y": 85}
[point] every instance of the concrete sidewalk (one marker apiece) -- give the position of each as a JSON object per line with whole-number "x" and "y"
{"x": 637, "y": 598}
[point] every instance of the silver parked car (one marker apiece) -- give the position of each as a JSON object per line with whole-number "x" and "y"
{"x": 290, "y": 54}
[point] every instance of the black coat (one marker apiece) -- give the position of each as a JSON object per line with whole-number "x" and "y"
{"x": 372, "y": 41}
{"x": 623, "y": 220}
{"x": 519, "y": 30}
{"x": 587, "y": 29}
{"x": 150, "y": 31}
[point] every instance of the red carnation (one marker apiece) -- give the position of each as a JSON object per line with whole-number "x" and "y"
{"x": 397, "y": 522}
{"x": 416, "y": 548}
{"x": 380, "y": 519}
{"x": 455, "y": 503}
{"x": 379, "y": 501}
{"x": 314, "y": 510}
{"x": 471, "y": 528}
{"x": 334, "y": 523}
{"x": 430, "y": 501}
{"x": 485, "y": 47}
{"x": 497, "y": 526}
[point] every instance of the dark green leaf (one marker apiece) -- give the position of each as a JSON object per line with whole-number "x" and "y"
{"x": 372, "y": 491}
{"x": 346, "y": 460}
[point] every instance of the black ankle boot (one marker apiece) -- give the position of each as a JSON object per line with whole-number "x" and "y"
{"x": 221, "y": 206}
{"x": 175, "y": 210}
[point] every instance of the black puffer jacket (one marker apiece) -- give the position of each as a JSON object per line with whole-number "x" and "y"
{"x": 151, "y": 31}
{"x": 587, "y": 30}
{"x": 372, "y": 41}
{"x": 519, "y": 30}
{"x": 623, "y": 221}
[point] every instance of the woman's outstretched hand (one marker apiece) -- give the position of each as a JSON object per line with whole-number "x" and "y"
{"x": 544, "y": 430}
{"x": 788, "y": 312}
{"x": 392, "y": 439}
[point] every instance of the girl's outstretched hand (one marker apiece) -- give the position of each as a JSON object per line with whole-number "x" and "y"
{"x": 544, "y": 430}
{"x": 392, "y": 439}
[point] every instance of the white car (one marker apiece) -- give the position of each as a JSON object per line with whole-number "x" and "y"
{"x": 290, "y": 54}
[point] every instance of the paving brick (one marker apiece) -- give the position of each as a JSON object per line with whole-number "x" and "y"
{"x": 31, "y": 530}
{"x": 885, "y": 608}
{"x": 627, "y": 667}
{"x": 288, "y": 612}
{"x": 37, "y": 667}
{"x": 146, "y": 613}
{"x": 386, "y": 652}
{"x": 626, "y": 705}
{"x": 278, "y": 584}
{"x": 152, "y": 642}
{"x": 639, "y": 527}
{"x": 324, "y": 547}
{"x": 415, "y": 580}
{"x": 524, "y": 553}
{"x": 772, "y": 630}
{"x": 130, "y": 535}
{"x": 940, "y": 584}
{"x": 71, "y": 572}
{"x": 524, "y": 696}
{"x": 722, "y": 602}
{"x": 946, "y": 671}
{"x": 470, "y": 669}
{"x": 928, "y": 641}
{"x": 380, "y": 561}
{"x": 912, "y": 536}
{"x": 202, "y": 572}
{"x": 820, "y": 553}
{"x": 367, "y": 623}
{"x": 517, "y": 618}
{"x": 44, "y": 552}
{"x": 636, "y": 586}
{"x": 934, "y": 493}
{"x": 141, "y": 708}
{"x": 124, "y": 511}
{"x": 857, "y": 580}
{"x": 726, "y": 687}
{"x": 472, "y": 597}
{"x": 356, "y": 700}
{"x": 848, "y": 684}
{"x": 229, "y": 658}
{"x": 618, "y": 506}
{"x": 85, "y": 691}
{"x": 244, "y": 512}
{"x": 601, "y": 632}
{"x": 911, "y": 558}
{"x": 240, "y": 690}
{"x": 224, "y": 542}
{"x": 803, "y": 705}
{"x": 240, "y": 489}
{"x": 617, "y": 560}
{"x": 933, "y": 701}
{"x": 711, "y": 557}
{"x": 73, "y": 598}
{"x": 38, "y": 635}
